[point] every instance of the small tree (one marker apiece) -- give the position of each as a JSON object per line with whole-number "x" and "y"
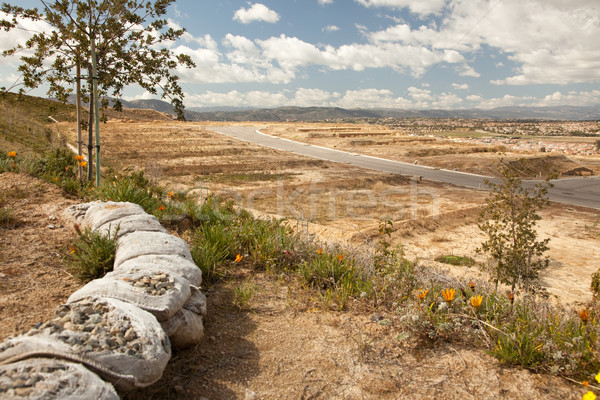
{"x": 509, "y": 221}
{"x": 121, "y": 37}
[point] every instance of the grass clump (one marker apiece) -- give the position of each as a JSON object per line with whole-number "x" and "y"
{"x": 456, "y": 260}
{"x": 8, "y": 219}
{"x": 133, "y": 188}
{"x": 92, "y": 255}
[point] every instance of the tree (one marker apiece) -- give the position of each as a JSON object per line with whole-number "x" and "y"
{"x": 126, "y": 35}
{"x": 509, "y": 222}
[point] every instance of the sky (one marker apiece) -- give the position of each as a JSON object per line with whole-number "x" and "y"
{"x": 408, "y": 54}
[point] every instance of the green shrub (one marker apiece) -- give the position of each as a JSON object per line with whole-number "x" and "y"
{"x": 595, "y": 286}
{"x": 134, "y": 188}
{"x": 455, "y": 260}
{"x": 8, "y": 219}
{"x": 92, "y": 255}
{"x": 211, "y": 248}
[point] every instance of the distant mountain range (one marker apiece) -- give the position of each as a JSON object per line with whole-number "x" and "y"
{"x": 314, "y": 114}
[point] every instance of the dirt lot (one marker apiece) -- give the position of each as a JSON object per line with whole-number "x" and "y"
{"x": 340, "y": 202}
{"x": 281, "y": 346}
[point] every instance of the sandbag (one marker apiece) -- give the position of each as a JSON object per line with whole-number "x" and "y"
{"x": 196, "y": 303}
{"x": 160, "y": 293}
{"x": 131, "y": 223}
{"x": 49, "y": 379}
{"x": 77, "y": 212}
{"x": 101, "y": 213}
{"x": 123, "y": 344}
{"x": 184, "y": 329}
{"x": 147, "y": 243}
{"x": 173, "y": 264}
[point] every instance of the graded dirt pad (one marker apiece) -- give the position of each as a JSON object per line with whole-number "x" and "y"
{"x": 436, "y": 149}
{"x": 281, "y": 349}
{"x": 33, "y": 277}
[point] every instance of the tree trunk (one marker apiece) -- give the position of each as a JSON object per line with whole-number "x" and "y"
{"x": 90, "y": 174}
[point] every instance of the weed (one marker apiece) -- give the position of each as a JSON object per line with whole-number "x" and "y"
{"x": 133, "y": 188}
{"x": 242, "y": 294}
{"x": 8, "y": 219}
{"x": 455, "y": 260}
{"x": 92, "y": 254}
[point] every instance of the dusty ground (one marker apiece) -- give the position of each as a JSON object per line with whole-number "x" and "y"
{"x": 33, "y": 277}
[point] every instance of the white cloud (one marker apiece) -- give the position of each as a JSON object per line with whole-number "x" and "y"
{"x": 323, "y": 2}
{"x": 257, "y": 12}
{"x": 423, "y": 7}
{"x": 558, "y": 98}
{"x": 460, "y": 86}
{"x": 331, "y": 28}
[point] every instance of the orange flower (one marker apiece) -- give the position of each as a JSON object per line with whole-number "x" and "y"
{"x": 511, "y": 297}
{"x": 238, "y": 258}
{"x": 12, "y": 154}
{"x": 340, "y": 257}
{"x": 448, "y": 294}
{"x": 67, "y": 168}
{"x": 421, "y": 295}
{"x": 476, "y": 301}
{"x": 79, "y": 158}
{"x": 320, "y": 251}
{"x": 585, "y": 383}
{"x": 171, "y": 194}
{"x": 82, "y": 163}
{"x": 584, "y": 315}
{"x": 161, "y": 208}
{"x": 72, "y": 250}
{"x": 472, "y": 285}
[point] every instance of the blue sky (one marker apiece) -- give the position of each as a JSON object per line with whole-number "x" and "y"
{"x": 415, "y": 54}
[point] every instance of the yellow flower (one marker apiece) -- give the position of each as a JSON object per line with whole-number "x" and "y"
{"x": 598, "y": 377}
{"x": 82, "y": 163}
{"x": 589, "y": 396}
{"x": 12, "y": 154}
{"x": 238, "y": 258}
{"x": 340, "y": 257}
{"x": 584, "y": 315}
{"x": 72, "y": 250}
{"x": 476, "y": 301}
{"x": 421, "y": 295}
{"x": 448, "y": 294}
{"x": 79, "y": 158}
{"x": 170, "y": 194}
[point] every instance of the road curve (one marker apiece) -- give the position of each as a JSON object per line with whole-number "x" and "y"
{"x": 584, "y": 192}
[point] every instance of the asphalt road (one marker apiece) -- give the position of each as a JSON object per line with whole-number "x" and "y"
{"x": 584, "y": 192}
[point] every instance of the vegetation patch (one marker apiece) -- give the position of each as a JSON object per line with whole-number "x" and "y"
{"x": 455, "y": 260}
{"x": 92, "y": 255}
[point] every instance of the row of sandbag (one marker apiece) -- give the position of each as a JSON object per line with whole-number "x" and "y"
{"x": 120, "y": 327}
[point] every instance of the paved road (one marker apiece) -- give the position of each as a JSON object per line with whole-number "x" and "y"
{"x": 583, "y": 192}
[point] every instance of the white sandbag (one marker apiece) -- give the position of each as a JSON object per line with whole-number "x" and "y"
{"x": 49, "y": 379}
{"x": 173, "y": 264}
{"x": 196, "y": 303}
{"x": 123, "y": 344}
{"x": 101, "y": 213}
{"x": 185, "y": 329}
{"x": 146, "y": 243}
{"x": 160, "y": 293}
{"x": 131, "y": 223}
{"x": 77, "y": 212}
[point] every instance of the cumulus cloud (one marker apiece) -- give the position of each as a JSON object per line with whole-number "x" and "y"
{"x": 549, "y": 41}
{"x": 256, "y": 12}
{"x": 423, "y": 7}
{"x": 323, "y": 2}
{"x": 331, "y": 28}
{"x": 460, "y": 86}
